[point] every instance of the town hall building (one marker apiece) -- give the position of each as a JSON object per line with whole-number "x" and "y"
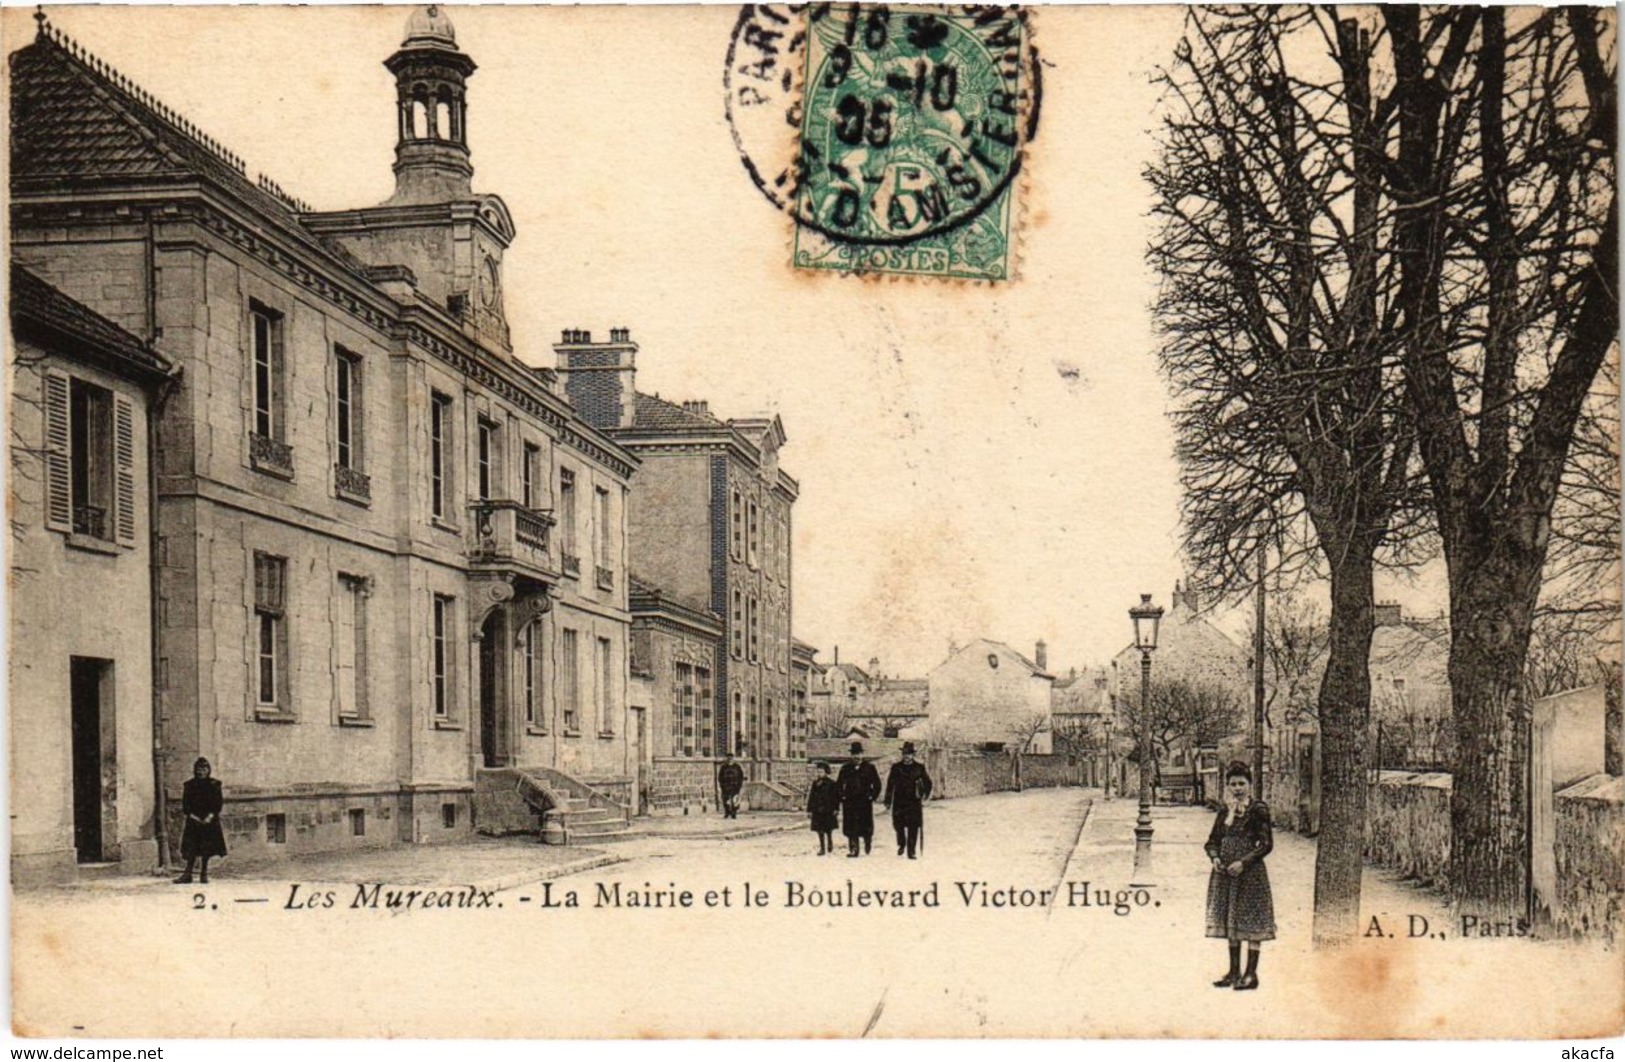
{"x": 389, "y": 553}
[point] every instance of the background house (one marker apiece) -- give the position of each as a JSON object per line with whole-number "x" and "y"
{"x": 80, "y": 687}
{"x": 986, "y": 693}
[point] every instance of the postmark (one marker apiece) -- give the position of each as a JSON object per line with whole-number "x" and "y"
{"x": 894, "y": 138}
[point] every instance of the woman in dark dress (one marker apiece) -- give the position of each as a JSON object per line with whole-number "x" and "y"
{"x": 202, "y": 838}
{"x": 1239, "y": 905}
{"x": 823, "y": 802}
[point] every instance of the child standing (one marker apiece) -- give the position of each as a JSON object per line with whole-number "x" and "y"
{"x": 822, "y": 801}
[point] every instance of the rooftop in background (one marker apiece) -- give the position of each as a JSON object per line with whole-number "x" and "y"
{"x": 33, "y": 298}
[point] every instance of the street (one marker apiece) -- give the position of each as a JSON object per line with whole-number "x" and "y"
{"x": 806, "y": 945}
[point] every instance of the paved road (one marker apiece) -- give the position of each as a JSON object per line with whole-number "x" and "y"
{"x": 983, "y": 951}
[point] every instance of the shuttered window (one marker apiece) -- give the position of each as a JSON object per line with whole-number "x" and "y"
{"x": 89, "y": 460}
{"x": 58, "y": 454}
{"x": 124, "y": 467}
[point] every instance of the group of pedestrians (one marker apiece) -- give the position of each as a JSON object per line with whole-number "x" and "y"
{"x": 848, "y": 800}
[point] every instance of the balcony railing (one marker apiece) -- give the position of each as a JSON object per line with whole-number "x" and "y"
{"x": 356, "y": 486}
{"x": 270, "y": 455}
{"x": 604, "y": 577}
{"x": 506, "y": 532}
{"x": 531, "y": 527}
{"x": 90, "y": 520}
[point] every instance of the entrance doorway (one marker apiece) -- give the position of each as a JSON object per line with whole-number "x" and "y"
{"x": 95, "y": 819}
{"x": 493, "y": 739}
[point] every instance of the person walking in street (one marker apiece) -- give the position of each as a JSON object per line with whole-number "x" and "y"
{"x": 908, "y": 787}
{"x": 858, "y": 785}
{"x": 1239, "y": 905}
{"x": 201, "y": 837}
{"x": 730, "y": 781}
{"x": 823, "y": 806}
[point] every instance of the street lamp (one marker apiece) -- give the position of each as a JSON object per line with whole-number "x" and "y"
{"x": 1146, "y": 617}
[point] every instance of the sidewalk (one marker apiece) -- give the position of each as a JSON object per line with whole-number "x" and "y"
{"x": 713, "y": 827}
{"x": 1406, "y": 972}
{"x": 1180, "y": 868}
{"x": 485, "y": 862}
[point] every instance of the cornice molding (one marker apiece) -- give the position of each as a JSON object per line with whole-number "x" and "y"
{"x": 357, "y": 297}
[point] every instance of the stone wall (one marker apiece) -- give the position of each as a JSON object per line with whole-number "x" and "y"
{"x": 1407, "y": 825}
{"x": 1038, "y": 772}
{"x": 682, "y": 786}
{"x": 323, "y": 822}
{"x": 1287, "y": 808}
{"x": 1408, "y": 830}
{"x": 966, "y": 772}
{"x": 1591, "y": 858}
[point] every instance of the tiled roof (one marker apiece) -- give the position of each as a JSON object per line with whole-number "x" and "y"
{"x": 652, "y": 413}
{"x": 75, "y": 119}
{"x": 34, "y": 300}
{"x": 1028, "y": 664}
{"x": 853, "y": 672}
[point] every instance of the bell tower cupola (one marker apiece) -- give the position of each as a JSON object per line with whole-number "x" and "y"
{"x": 435, "y": 241}
{"x": 431, "y": 93}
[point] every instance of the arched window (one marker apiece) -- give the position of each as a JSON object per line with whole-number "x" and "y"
{"x": 442, "y": 119}
{"x": 420, "y": 119}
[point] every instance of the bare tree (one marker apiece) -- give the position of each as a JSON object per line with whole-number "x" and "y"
{"x": 889, "y": 724}
{"x": 1276, "y": 309}
{"x": 1185, "y": 713}
{"x": 1294, "y": 654}
{"x": 1421, "y": 201}
{"x": 826, "y": 717}
{"x": 1506, "y": 225}
{"x": 1023, "y": 733}
{"x": 1080, "y": 734}
{"x": 1579, "y": 591}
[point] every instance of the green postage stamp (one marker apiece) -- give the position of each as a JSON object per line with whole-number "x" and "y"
{"x": 907, "y": 128}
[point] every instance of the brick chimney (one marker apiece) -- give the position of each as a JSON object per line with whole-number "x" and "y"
{"x": 1185, "y": 598}
{"x": 697, "y": 406}
{"x": 1041, "y": 655}
{"x": 599, "y": 378}
{"x": 874, "y": 667}
{"x": 1387, "y": 614}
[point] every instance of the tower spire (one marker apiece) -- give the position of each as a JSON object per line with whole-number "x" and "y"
{"x": 431, "y": 84}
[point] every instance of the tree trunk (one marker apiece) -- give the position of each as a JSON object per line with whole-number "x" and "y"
{"x": 1345, "y": 711}
{"x": 1490, "y": 619}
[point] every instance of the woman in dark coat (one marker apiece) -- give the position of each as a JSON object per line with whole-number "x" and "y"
{"x": 823, "y": 803}
{"x": 202, "y": 838}
{"x": 859, "y": 785}
{"x": 1239, "y": 905}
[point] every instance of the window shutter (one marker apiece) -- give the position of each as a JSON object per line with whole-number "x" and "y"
{"x": 124, "y": 467}
{"x": 58, "y": 444}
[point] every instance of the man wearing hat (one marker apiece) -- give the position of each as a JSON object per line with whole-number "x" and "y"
{"x": 859, "y": 785}
{"x": 908, "y": 787}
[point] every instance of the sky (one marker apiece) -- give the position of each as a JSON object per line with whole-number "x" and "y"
{"x": 975, "y": 461}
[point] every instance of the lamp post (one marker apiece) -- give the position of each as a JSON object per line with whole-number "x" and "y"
{"x": 1146, "y": 617}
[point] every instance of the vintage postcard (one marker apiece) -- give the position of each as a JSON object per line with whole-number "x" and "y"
{"x": 814, "y": 521}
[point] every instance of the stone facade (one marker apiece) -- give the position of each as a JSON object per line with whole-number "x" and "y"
{"x": 677, "y": 646}
{"x": 710, "y": 522}
{"x": 83, "y": 788}
{"x": 389, "y": 552}
{"x": 804, "y": 680}
{"x": 987, "y": 693}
